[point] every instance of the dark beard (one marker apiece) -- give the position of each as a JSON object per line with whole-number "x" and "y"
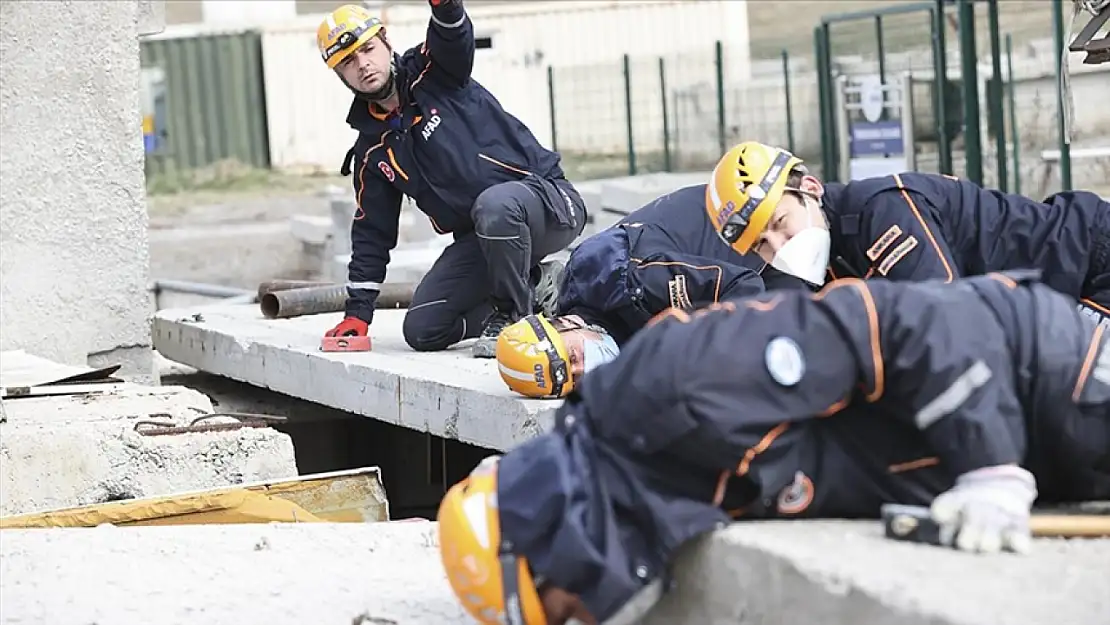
{"x": 378, "y": 95}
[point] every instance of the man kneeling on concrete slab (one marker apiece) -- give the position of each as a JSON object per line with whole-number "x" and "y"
{"x": 665, "y": 254}
{"x": 428, "y": 130}
{"x": 976, "y": 398}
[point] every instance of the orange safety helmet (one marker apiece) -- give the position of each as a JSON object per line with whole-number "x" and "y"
{"x": 533, "y": 360}
{"x": 345, "y": 30}
{"x": 746, "y": 186}
{"x": 494, "y": 585}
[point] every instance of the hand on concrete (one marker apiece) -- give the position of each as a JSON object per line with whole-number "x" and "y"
{"x": 351, "y": 326}
{"x": 988, "y": 510}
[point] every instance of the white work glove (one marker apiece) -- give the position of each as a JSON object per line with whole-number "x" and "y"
{"x": 988, "y": 510}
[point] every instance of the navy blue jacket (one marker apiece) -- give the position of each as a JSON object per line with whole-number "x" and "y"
{"x": 664, "y": 254}
{"x": 916, "y": 226}
{"x": 450, "y": 141}
{"x": 900, "y": 388}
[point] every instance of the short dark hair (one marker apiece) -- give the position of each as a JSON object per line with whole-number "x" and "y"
{"x": 794, "y": 180}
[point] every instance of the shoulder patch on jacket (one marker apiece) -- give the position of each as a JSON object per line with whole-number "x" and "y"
{"x": 678, "y": 294}
{"x": 897, "y": 254}
{"x": 883, "y": 242}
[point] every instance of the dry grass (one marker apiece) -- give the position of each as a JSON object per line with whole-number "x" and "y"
{"x": 169, "y": 193}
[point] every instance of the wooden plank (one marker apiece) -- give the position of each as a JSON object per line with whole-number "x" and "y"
{"x": 353, "y": 496}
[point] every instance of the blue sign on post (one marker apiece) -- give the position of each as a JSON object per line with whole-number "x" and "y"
{"x": 877, "y": 139}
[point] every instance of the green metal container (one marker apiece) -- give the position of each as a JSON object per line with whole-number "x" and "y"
{"x": 206, "y": 101}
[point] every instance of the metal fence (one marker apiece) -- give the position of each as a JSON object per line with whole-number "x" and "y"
{"x": 679, "y": 112}
{"x": 672, "y": 113}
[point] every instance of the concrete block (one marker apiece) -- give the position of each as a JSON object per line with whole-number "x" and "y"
{"x": 447, "y": 393}
{"x": 389, "y": 574}
{"x": 632, "y": 192}
{"x": 591, "y": 195}
{"x": 407, "y": 263}
{"x": 73, "y": 219}
{"x": 847, "y": 573}
{"x": 342, "y": 209}
{"x": 310, "y": 229}
{"x": 71, "y": 450}
{"x": 257, "y": 251}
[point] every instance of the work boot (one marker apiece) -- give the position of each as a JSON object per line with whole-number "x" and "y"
{"x": 486, "y": 345}
{"x": 549, "y": 276}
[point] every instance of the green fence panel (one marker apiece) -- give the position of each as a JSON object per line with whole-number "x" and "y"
{"x": 215, "y": 104}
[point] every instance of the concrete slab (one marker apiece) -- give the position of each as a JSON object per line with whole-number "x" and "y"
{"x": 389, "y": 574}
{"x": 72, "y": 450}
{"x": 310, "y": 229}
{"x": 627, "y": 194}
{"x": 847, "y": 573}
{"x": 450, "y": 393}
{"x": 229, "y": 254}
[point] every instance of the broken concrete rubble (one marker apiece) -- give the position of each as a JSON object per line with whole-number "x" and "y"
{"x": 389, "y": 573}
{"x": 70, "y": 450}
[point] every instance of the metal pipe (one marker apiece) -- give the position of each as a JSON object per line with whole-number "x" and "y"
{"x": 838, "y": 167}
{"x": 786, "y": 94}
{"x": 940, "y": 102}
{"x": 551, "y": 108}
{"x": 285, "y": 285}
{"x": 196, "y": 288}
{"x": 969, "y": 76}
{"x": 626, "y": 64}
{"x": 882, "y": 53}
{"x": 326, "y": 299}
{"x": 825, "y": 98}
{"x": 719, "y": 62}
{"x": 1061, "y": 125}
{"x": 667, "y": 165}
{"x": 1011, "y": 86}
{"x": 893, "y": 9}
{"x": 995, "y": 103}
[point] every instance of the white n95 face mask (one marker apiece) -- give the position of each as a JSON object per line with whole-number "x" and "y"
{"x": 806, "y": 254}
{"x": 596, "y": 352}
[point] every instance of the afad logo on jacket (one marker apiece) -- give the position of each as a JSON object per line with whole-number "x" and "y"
{"x": 430, "y": 127}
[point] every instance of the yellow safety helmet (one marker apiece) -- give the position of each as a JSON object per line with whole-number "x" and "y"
{"x": 533, "y": 359}
{"x": 746, "y": 186}
{"x": 485, "y": 578}
{"x": 345, "y": 30}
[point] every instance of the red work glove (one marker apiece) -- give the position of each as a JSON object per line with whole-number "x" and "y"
{"x": 351, "y": 326}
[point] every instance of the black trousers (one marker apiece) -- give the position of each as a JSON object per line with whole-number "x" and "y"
{"x": 516, "y": 224}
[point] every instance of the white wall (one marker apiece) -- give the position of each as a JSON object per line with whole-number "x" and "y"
{"x": 73, "y": 223}
{"x": 242, "y": 12}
